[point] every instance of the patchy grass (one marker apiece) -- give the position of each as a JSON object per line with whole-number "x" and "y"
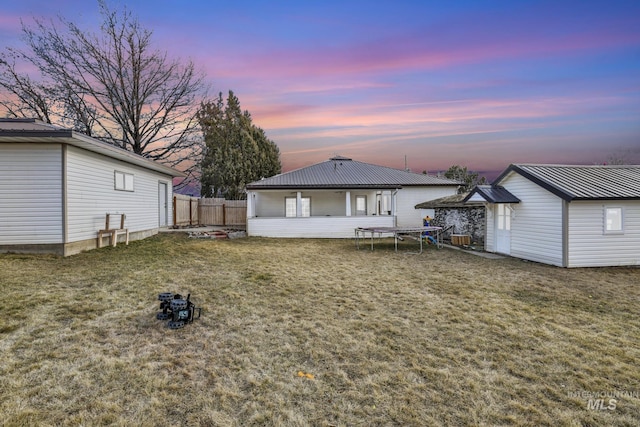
{"x": 314, "y": 332}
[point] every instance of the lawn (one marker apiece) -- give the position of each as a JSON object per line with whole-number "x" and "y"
{"x": 315, "y": 332}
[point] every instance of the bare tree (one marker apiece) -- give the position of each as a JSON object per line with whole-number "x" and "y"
{"x": 112, "y": 85}
{"x": 623, "y": 157}
{"x": 23, "y": 97}
{"x": 468, "y": 178}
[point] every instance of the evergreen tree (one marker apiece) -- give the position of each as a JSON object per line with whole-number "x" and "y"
{"x": 236, "y": 151}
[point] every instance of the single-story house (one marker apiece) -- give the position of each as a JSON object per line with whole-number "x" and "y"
{"x": 57, "y": 185}
{"x": 332, "y": 198}
{"x": 456, "y": 216}
{"x": 564, "y": 215}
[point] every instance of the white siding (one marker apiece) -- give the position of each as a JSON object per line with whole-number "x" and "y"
{"x": 589, "y": 246}
{"x": 408, "y": 197}
{"x": 91, "y": 194}
{"x": 270, "y": 203}
{"x": 327, "y": 202}
{"x": 30, "y": 194}
{"x": 536, "y": 223}
{"x": 328, "y": 212}
{"x": 314, "y": 227}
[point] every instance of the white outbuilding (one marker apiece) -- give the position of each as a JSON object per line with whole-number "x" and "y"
{"x": 57, "y": 185}
{"x": 564, "y": 215}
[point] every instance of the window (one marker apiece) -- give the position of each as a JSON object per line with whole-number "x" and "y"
{"x": 504, "y": 217}
{"x": 291, "y": 203}
{"x": 361, "y": 205}
{"x": 289, "y": 207}
{"x": 123, "y": 181}
{"x": 383, "y": 202}
{"x": 306, "y": 206}
{"x": 613, "y": 220}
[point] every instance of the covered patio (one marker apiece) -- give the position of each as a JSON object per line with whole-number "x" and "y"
{"x": 332, "y": 198}
{"x": 318, "y": 213}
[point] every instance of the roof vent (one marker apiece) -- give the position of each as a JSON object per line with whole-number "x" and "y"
{"x": 340, "y": 158}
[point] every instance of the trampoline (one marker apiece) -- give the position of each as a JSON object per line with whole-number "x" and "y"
{"x": 399, "y": 233}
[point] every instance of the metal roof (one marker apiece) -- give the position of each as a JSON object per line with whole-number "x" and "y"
{"x": 493, "y": 194}
{"x": 582, "y": 182}
{"x": 27, "y": 131}
{"x": 342, "y": 172}
{"x": 455, "y": 201}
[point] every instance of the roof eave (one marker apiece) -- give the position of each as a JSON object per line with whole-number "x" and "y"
{"x": 438, "y": 184}
{"x": 448, "y": 205}
{"x": 612, "y": 199}
{"x": 488, "y": 197}
{"x": 542, "y": 183}
{"x": 258, "y": 186}
{"x": 322, "y": 187}
{"x": 28, "y": 133}
{"x": 64, "y": 136}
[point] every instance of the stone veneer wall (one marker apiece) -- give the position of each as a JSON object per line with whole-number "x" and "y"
{"x": 465, "y": 220}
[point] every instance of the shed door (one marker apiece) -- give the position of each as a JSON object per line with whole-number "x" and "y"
{"x": 503, "y": 228}
{"x": 162, "y": 203}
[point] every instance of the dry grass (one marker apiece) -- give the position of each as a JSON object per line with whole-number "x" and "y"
{"x": 442, "y": 338}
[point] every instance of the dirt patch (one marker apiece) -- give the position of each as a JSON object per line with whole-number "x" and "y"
{"x": 218, "y": 234}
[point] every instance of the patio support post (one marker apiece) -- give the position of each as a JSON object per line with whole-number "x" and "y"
{"x": 299, "y": 203}
{"x": 393, "y": 206}
{"x": 348, "y": 203}
{"x": 250, "y": 204}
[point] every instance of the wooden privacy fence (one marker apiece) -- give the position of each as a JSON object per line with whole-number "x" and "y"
{"x": 194, "y": 211}
{"x": 185, "y": 210}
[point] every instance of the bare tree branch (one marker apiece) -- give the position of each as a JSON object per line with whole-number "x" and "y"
{"x": 111, "y": 84}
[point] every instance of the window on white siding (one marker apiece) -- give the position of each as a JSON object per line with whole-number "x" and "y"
{"x": 383, "y": 202}
{"x": 504, "y": 217}
{"x": 613, "y": 220}
{"x": 123, "y": 181}
{"x": 306, "y": 206}
{"x": 290, "y": 206}
{"x": 361, "y": 205}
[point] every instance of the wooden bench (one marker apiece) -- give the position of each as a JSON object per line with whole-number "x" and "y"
{"x": 113, "y": 232}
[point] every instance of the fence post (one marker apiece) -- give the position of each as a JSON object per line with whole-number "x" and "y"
{"x": 197, "y": 212}
{"x": 174, "y": 211}
{"x": 224, "y": 214}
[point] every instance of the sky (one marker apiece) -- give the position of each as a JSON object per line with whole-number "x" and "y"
{"x": 426, "y": 84}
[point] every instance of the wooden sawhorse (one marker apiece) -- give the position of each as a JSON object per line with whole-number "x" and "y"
{"x": 113, "y": 232}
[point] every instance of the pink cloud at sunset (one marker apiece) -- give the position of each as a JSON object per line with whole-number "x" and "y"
{"x": 423, "y": 49}
{"x": 482, "y": 84}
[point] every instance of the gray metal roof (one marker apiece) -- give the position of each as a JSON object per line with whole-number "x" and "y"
{"x": 582, "y": 182}
{"x": 344, "y": 173}
{"x": 33, "y": 131}
{"x": 493, "y": 194}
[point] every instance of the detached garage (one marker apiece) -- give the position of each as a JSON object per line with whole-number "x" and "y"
{"x": 564, "y": 215}
{"x": 56, "y": 187}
